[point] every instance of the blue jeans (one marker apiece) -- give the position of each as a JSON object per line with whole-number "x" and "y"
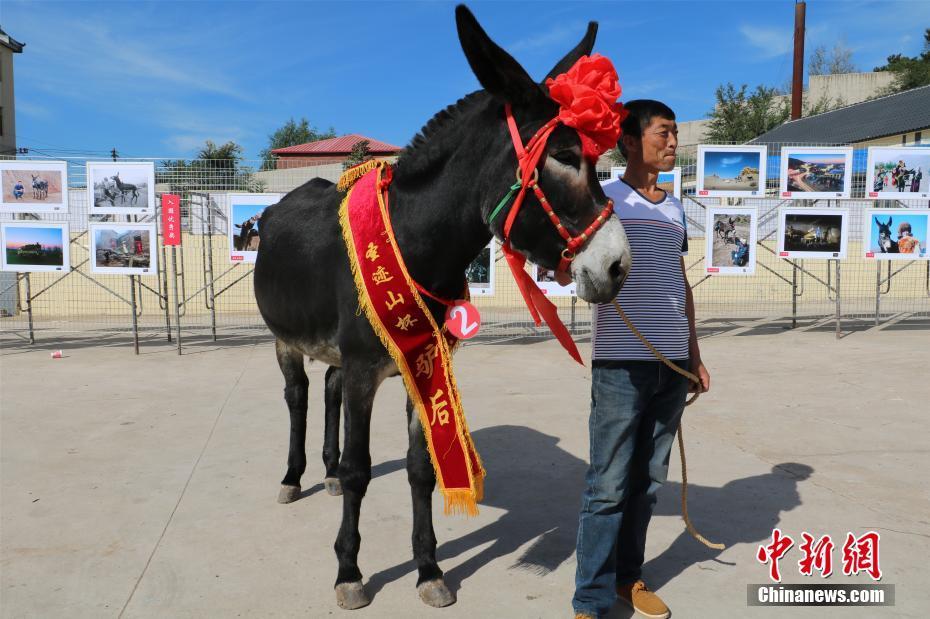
{"x": 635, "y": 410}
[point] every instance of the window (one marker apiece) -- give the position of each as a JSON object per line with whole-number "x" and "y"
{"x": 917, "y": 136}
{"x": 904, "y": 140}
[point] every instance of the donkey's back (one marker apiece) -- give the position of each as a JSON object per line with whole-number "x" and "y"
{"x": 302, "y": 274}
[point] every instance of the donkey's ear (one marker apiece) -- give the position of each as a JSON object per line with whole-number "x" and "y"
{"x": 582, "y": 49}
{"x": 496, "y": 70}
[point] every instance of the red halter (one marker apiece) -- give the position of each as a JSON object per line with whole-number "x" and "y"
{"x": 527, "y": 159}
{"x": 527, "y": 178}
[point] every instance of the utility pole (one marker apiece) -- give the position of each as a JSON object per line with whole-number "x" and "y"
{"x": 797, "y": 79}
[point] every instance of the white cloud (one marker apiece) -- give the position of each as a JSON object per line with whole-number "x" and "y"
{"x": 725, "y": 161}
{"x": 28, "y": 108}
{"x": 770, "y": 42}
{"x": 562, "y": 35}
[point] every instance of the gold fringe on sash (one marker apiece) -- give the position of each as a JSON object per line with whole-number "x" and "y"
{"x": 460, "y": 500}
{"x": 351, "y": 175}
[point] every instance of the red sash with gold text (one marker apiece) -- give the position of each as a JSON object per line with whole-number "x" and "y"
{"x": 421, "y": 350}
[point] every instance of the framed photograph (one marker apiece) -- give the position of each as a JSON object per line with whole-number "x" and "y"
{"x": 35, "y": 246}
{"x": 480, "y": 273}
{"x": 245, "y": 214}
{"x": 896, "y": 234}
{"x": 898, "y": 173}
{"x": 123, "y": 249}
{"x": 545, "y": 279}
{"x": 731, "y": 171}
{"x": 33, "y": 187}
{"x": 812, "y": 232}
{"x": 815, "y": 173}
{"x": 731, "y": 241}
{"x": 120, "y": 188}
{"x": 668, "y": 181}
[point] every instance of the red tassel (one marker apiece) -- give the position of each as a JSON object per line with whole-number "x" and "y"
{"x": 538, "y": 304}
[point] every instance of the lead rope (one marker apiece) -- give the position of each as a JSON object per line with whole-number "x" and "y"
{"x": 681, "y": 441}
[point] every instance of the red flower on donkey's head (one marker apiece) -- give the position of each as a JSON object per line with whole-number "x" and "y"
{"x": 587, "y": 95}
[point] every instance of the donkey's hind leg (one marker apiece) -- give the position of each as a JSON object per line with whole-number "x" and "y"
{"x": 291, "y": 362}
{"x": 422, "y": 478}
{"x": 333, "y": 399}
{"x": 359, "y": 387}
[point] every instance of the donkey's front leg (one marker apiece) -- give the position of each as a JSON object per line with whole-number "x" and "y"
{"x": 359, "y": 387}
{"x": 291, "y": 362}
{"x": 333, "y": 399}
{"x": 422, "y": 478}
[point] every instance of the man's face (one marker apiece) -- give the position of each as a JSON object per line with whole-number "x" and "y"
{"x": 659, "y": 144}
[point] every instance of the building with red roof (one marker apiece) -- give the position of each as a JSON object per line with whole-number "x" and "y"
{"x": 333, "y": 150}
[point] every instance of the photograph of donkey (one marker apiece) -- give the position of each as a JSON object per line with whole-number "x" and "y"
{"x": 445, "y": 185}
{"x": 123, "y": 186}
{"x": 886, "y": 242}
{"x": 27, "y": 185}
{"x": 39, "y": 187}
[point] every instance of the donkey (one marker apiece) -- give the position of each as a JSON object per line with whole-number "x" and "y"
{"x": 248, "y": 237}
{"x": 445, "y": 186}
{"x": 885, "y": 242}
{"x": 39, "y": 187}
{"x": 126, "y": 188}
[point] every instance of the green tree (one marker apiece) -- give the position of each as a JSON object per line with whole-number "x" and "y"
{"x": 740, "y": 116}
{"x": 216, "y": 168}
{"x": 227, "y": 155}
{"x": 359, "y": 154}
{"x": 909, "y": 72}
{"x": 291, "y": 134}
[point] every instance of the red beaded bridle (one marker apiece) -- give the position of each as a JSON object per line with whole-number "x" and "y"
{"x": 528, "y": 178}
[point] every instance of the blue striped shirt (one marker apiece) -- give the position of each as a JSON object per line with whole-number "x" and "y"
{"x": 653, "y": 296}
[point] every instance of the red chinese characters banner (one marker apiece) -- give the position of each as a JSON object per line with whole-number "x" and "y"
{"x": 171, "y": 218}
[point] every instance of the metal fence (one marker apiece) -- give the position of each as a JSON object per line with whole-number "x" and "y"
{"x": 200, "y": 291}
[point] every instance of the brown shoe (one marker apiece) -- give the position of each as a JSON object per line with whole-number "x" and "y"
{"x": 638, "y": 596}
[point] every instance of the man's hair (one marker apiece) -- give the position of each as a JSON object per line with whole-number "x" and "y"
{"x": 904, "y": 227}
{"x": 641, "y": 113}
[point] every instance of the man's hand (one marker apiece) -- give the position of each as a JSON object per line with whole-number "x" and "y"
{"x": 563, "y": 278}
{"x": 701, "y": 372}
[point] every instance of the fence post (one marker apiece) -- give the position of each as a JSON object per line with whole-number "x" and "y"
{"x": 135, "y": 320}
{"x": 574, "y": 302}
{"x": 839, "y": 316}
{"x": 32, "y": 335}
{"x": 177, "y": 299}
{"x": 794, "y": 294}
{"x": 878, "y": 288}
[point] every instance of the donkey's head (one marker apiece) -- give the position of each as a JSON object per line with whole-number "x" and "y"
{"x": 566, "y": 176}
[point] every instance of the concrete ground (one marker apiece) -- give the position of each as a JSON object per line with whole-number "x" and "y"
{"x": 145, "y": 486}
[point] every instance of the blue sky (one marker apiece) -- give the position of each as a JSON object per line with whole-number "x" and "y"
{"x": 156, "y": 79}
{"x": 728, "y": 164}
{"x": 20, "y": 235}
{"x": 242, "y": 212}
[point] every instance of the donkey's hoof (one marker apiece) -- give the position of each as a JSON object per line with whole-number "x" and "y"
{"x": 435, "y": 593}
{"x": 333, "y": 486}
{"x": 351, "y": 595}
{"x": 288, "y": 494}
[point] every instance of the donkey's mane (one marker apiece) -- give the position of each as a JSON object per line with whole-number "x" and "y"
{"x": 421, "y": 154}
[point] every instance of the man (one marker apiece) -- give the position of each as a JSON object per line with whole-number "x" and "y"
{"x": 636, "y": 401}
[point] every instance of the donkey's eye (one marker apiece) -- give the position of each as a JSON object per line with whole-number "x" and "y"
{"x": 568, "y": 157}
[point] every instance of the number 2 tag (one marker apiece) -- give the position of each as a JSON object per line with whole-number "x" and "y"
{"x": 463, "y": 320}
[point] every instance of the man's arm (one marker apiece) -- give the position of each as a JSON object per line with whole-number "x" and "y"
{"x": 697, "y": 366}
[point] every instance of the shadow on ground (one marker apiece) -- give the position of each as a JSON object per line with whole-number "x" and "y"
{"x": 538, "y": 486}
